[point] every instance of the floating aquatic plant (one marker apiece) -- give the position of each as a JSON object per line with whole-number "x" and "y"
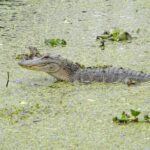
{"x": 113, "y": 35}
{"x": 55, "y": 42}
{"x": 132, "y": 117}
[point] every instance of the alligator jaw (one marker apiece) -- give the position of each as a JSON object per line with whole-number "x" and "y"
{"x": 32, "y": 64}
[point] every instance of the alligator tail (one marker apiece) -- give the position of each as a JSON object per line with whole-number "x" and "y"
{"x": 138, "y": 76}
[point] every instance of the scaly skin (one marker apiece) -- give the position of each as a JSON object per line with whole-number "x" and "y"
{"x": 63, "y": 69}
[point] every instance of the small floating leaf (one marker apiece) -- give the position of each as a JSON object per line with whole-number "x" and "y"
{"x": 115, "y": 119}
{"x": 55, "y": 42}
{"x": 125, "y": 118}
{"x": 134, "y": 112}
{"x": 146, "y": 118}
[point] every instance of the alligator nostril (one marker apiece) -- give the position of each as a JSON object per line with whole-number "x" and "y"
{"x": 45, "y": 57}
{"x": 20, "y": 63}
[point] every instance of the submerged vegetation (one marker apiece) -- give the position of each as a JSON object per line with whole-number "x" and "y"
{"x": 16, "y": 114}
{"x": 132, "y": 117}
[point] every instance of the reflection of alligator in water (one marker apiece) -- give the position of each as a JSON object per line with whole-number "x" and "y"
{"x": 64, "y": 69}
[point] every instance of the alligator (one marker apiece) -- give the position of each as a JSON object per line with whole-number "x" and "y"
{"x": 66, "y": 70}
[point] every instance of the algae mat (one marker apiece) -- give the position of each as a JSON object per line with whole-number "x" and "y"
{"x": 35, "y": 112}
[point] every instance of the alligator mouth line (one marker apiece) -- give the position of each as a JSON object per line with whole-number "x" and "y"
{"x": 30, "y": 65}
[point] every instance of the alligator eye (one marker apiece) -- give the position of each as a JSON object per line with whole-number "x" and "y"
{"x": 46, "y": 57}
{"x": 53, "y": 67}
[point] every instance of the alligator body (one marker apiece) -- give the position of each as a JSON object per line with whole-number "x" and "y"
{"x": 66, "y": 70}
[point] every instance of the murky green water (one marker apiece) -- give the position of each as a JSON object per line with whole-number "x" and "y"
{"x": 35, "y": 112}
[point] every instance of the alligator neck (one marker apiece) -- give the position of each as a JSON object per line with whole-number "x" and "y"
{"x": 67, "y": 72}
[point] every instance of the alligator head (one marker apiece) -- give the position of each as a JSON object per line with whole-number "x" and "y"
{"x": 54, "y": 65}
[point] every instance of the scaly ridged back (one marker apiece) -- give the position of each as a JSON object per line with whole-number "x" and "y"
{"x": 109, "y": 74}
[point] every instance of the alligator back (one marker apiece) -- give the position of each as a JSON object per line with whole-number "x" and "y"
{"x": 109, "y": 74}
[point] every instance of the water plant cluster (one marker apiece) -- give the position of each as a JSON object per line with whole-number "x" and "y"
{"x": 115, "y": 34}
{"x": 55, "y": 42}
{"x": 126, "y": 118}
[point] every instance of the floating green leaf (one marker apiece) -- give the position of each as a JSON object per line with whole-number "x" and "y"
{"x": 55, "y": 42}
{"x": 134, "y": 112}
{"x": 147, "y": 118}
{"x": 123, "y": 119}
{"x": 133, "y": 117}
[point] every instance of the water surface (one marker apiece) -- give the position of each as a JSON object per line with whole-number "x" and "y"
{"x": 35, "y": 112}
